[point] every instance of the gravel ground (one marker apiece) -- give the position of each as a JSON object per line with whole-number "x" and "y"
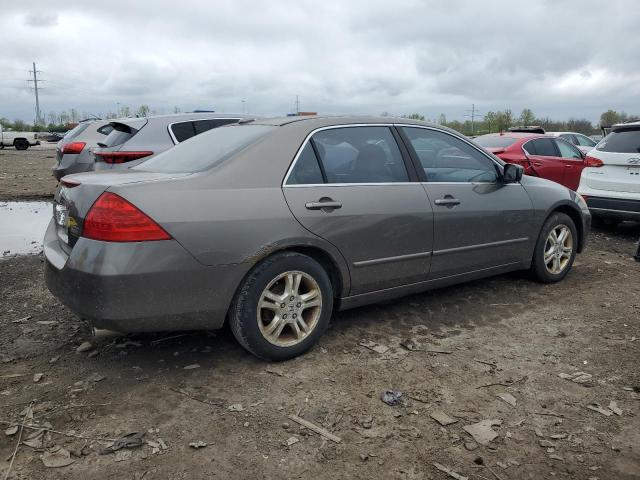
{"x": 26, "y": 174}
{"x": 475, "y": 342}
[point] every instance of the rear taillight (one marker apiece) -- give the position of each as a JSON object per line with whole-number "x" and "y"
{"x": 592, "y": 162}
{"x": 113, "y": 219}
{"x": 73, "y": 147}
{"x": 121, "y": 157}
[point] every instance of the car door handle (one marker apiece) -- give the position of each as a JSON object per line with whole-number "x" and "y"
{"x": 537, "y": 164}
{"x": 568, "y": 166}
{"x": 447, "y": 201}
{"x": 320, "y": 205}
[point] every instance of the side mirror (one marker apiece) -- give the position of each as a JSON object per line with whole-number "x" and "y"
{"x": 512, "y": 173}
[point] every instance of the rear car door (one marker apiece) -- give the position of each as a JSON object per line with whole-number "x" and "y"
{"x": 350, "y": 185}
{"x": 480, "y": 223}
{"x": 572, "y": 161}
{"x": 544, "y": 159}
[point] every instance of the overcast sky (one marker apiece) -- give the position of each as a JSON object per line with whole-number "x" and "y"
{"x": 560, "y": 58}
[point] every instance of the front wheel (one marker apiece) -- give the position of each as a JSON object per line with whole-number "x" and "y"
{"x": 21, "y": 144}
{"x": 283, "y": 307}
{"x": 555, "y": 250}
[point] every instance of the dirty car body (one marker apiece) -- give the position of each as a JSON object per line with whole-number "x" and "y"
{"x": 379, "y": 212}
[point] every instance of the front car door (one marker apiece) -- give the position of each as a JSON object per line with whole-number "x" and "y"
{"x": 351, "y": 186}
{"x": 544, "y": 159}
{"x": 480, "y": 223}
{"x": 573, "y": 162}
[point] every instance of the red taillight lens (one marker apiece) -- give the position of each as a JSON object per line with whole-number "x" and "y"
{"x": 121, "y": 157}
{"x": 113, "y": 219}
{"x": 73, "y": 147}
{"x": 592, "y": 162}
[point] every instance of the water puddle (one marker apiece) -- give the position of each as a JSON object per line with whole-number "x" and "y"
{"x": 22, "y": 226}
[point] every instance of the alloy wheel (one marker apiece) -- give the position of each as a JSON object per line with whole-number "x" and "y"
{"x": 289, "y": 308}
{"x": 558, "y": 249}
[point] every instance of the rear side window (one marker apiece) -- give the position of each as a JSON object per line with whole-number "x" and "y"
{"x": 621, "y": 141}
{"x": 105, "y": 129}
{"x": 206, "y": 150}
{"x": 446, "y": 158}
{"x": 204, "y": 125}
{"x": 185, "y": 130}
{"x": 306, "y": 170}
{"x": 494, "y": 141}
{"x": 182, "y": 131}
{"x": 360, "y": 155}
{"x": 75, "y": 131}
{"x": 567, "y": 151}
{"x": 120, "y": 134}
{"x": 541, "y": 146}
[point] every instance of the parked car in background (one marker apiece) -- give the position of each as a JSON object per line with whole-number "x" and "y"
{"x": 19, "y": 140}
{"x": 580, "y": 141}
{"x": 541, "y": 156}
{"x": 272, "y": 224}
{"x": 611, "y": 183}
{"x": 73, "y": 152}
{"x": 134, "y": 140}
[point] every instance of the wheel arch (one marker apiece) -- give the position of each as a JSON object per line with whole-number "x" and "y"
{"x": 575, "y": 214}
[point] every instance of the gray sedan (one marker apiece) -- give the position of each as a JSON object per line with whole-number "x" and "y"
{"x": 272, "y": 225}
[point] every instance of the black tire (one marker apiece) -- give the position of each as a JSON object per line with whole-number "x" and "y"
{"x": 243, "y": 315}
{"x": 539, "y": 269}
{"x": 21, "y": 144}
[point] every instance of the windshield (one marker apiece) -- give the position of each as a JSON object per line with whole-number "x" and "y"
{"x": 205, "y": 150}
{"x": 621, "y": 141}
{"x": 494, "y": 141}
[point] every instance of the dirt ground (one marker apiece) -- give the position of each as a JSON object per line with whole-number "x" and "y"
{"x": 504, "y": 335}
{"x": 26, "y": 174}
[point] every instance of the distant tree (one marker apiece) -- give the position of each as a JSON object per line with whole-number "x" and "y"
{"x": 611, "y": 117}
{"x": 19, "y": 125}
{"x": 143, "y": 111}
{"x": 75, "y": 117}
{"x": 176, "y": 109}
{"x": 442, "y": 119}
{"x": 384, "y": 114}
{"x": 53, "y": 118}
{"x": 5, "y": 122}
{"x": 580, "y": 125}
{"x": 414, "y": 116}
{"x": 527, "y": 117}
{"x": 125, "y": 111}
{"x": 504, "y": 120}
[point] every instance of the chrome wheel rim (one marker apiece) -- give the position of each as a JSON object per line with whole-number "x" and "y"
{"x": 289, "y": 308}
{"x": 558, "y": 249}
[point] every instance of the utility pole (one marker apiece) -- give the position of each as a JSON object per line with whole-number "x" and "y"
{"x": 35, "y": 87}
{"x": 473, "y": 113}
{"x": 297, "y": 104}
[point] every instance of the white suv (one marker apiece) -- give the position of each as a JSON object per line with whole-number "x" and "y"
{"x": 611, "y": 181}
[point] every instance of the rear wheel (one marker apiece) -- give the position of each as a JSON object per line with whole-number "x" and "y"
{"x": 555, "y": 250}
{"x": 283, "y": 307}
{"x": 21, "y": 144}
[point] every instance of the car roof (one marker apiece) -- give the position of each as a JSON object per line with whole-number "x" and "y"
{"x": 520, "y": 135}
{"x": 625, "y": 126}
{"x": 315, "y": 121}
{"x": 137, "y": 122}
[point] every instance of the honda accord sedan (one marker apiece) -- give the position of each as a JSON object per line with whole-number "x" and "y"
{"x": 272, "y": 225}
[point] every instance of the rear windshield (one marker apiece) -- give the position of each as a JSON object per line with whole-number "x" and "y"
{"x": 75, "y": 131}
{"x": 494, "y": 141}
{"x": 120, "y": 134}
{"x": 206, "y": 150}
{"x": 621, "y": 141}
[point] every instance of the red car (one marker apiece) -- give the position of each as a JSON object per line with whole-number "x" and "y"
{"x": 541, "y": 155}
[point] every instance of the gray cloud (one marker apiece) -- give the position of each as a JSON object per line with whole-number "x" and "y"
{"x": 562, "y": 59}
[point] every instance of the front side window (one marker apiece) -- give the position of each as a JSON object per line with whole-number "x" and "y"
{"x": 446, "y": 158}
{"x": 568, "y": 151}
{"x": 544, "y": 147}
{"x": 306, "y": 171}
{"x": 360, "y": 155}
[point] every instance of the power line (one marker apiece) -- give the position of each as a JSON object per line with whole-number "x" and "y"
{"x": 473, "y": 113}
{"x": 39, "y": 120}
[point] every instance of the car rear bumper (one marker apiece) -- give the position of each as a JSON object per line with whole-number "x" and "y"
{"x": 625, "y": 209}
{"x": 139, "y": 286}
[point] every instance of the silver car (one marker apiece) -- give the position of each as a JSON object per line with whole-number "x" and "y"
{"x": 134, "y": 140}
{"x": 580, "y": 141}
{"x": 272, "y": 225}
{"x": 73, "y": 151}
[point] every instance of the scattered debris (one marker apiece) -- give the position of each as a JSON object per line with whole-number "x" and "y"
{"x": 292, "y": 441}
{"x": 20, "y": 320}
{"x": 505, "y": 384}
{"x": 482, "y": 431}
{"x": 95, "y": 378}
{"x": 558, "y": 436}
{"x": 508, "y": 398}
{"x": 84, "y": 347}
{"x": 130, "y": 440}
{"x": 193, "y": 366}
{"x": 47, "y": 322}
{"x": 37, "y": 377}
{"x": 54, "y": 359}
{"x": 556, "y": 457}
{"x": 236, "y": 407}
{"x": 11, "y": 430}
{"x": 596, "y": 407}
{"x": 376, "y": 347}
{"x": 122, "y": 455}
{"x": 442, "y": 418}
{"x": 577, "y": 377}
{"x": 449, "y": 472}
{"x": 546, "y": 443}
{"x": 12, "y": 375}
{"x": 319, "y": 430}
{"x": 274, "y": 371}
{"x": 198, "y": 444}
{"x": 56, "y": 458}
{"x": 613, "y": 406}
{"x": 471, "y": 446}
{"x": 411, "y": 344}
{"x": 392, "y": 397}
